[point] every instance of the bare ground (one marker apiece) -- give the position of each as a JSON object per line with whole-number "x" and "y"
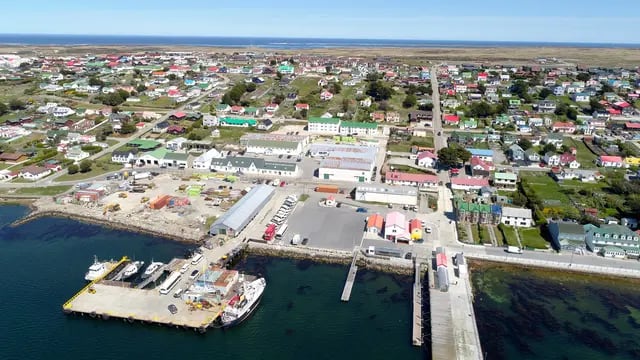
{"x": 611, "y": 57}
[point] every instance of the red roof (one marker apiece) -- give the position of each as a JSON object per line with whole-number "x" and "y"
{"x": 302, "y": 106}
{"x": 469, "y": 182}
{"x": 426, "y": 154}
{"x": 561, "y": 125}
{"x": 418, "y": 178}
{"x": 483, "y": 74}
{"x": 476, "y": 161}
{"x": 613, "y": 111}
{"x": 614, "y": 159}
{"x": 632, "y": 125}
{"x": 179, "y": 114}
{"x": 451, "y": 118}
{"x": 622, "y": 104}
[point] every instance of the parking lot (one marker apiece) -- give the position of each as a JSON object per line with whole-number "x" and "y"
{"x": 326, "y": 227}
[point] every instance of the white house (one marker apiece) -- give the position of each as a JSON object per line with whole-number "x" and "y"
{"x": 324, "y": 125}
{"x": 203, "y": 162}
{"x": 76, "y": 154}
{"x": 326, "y": 96}
{"x": 209, "y": 120}
{"x": 175, "y": 144}
{"x": 610, "y": 161}
{"x": 62, "y": 111}
{"x": 124, "y": 157}
{"x": 552, "y": 159}
{"x": 33, "y": 172}
{"x": 580, "y": 97}
{"x": 518, "y": 217}
{"x": 426, "y": 159}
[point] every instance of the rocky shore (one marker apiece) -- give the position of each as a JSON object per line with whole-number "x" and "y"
{"x": 144, "y": 225}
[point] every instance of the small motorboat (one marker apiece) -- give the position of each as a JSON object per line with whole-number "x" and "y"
{"x": 132, "y": 269}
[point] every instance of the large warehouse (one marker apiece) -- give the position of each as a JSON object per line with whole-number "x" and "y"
{"x": 274, "y": 144}
{"x": 402, "y": 195}
{"x": 241, "y": 214}
{"x": 345, "y": 162}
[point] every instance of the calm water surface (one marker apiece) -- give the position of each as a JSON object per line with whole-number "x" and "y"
{"x": 540, "y": 314}
{"x": 301, "y": 315}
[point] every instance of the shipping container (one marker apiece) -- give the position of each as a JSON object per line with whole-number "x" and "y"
{"x": 332, "y": 189}
{"x": 443, "y": 279}
{"x": 160, "y": 202}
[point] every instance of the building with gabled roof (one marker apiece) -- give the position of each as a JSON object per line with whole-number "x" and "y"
{"x": 233, "y": 221}
{"x": 249, "y": 165}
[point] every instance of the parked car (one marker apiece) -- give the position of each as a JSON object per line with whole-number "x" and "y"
{"x": 361, "y": 210}
{"x": 172, "y": 309}
{"x": 194, "y": 274}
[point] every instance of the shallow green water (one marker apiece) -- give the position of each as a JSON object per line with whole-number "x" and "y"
{"x": 527, "y": 314}
{"x": 301, "y": 316}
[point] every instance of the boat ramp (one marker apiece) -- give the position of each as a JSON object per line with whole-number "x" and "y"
{"x": 351, "y": 277}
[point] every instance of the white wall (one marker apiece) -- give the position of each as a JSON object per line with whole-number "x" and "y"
{"x": 344, "y": 175}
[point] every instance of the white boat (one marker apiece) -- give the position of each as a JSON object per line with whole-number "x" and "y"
{"x": 96, "y": 270}
{"x": 153, "y": 267}
{"x": 243, "y": 304}
{"x": 132, "y": 269}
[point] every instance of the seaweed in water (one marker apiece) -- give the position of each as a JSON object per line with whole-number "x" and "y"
{"x": 402, "y": 296}
{"x": 634, "y": 324}
{"x": 591, "y": 317}
{"x": 288, "y": 331}
{"x": 302, "y": 289}
{"x": 373, "y": 316}
{"x": 303, "y": 265}
{"x": 382, "y": 290}
{"x": 592, "y": 339}
{"x": 289, "y": 305}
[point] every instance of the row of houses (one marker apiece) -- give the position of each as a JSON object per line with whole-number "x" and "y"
{"x": 336, "y": 126}
{"x": 609, "y": 240}
{"x": 395, "y": 227}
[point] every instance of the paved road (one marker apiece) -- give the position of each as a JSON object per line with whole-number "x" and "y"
{"x": 439, "y": 141}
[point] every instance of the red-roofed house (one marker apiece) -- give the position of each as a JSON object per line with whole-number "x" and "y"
{"x": 483, "y": 76}
{"x": 451, "y": 119}
{"x": 375, "y": 224}
{"x": 419, "y": 180}
{"x": 426, "y": 159}
{"x": 568, "y": 159}
{"x": 610, "y": 161}
{"x": 632, "y": 125}
{"x": 468, "y": 184}
{"x": 237, "y": 110}
{"x": 562, "y": 127}
{"x": 481, "y": 167}
{"x": 415, "y": 227}
{"x": 302, "y": 106}
{"x": 271, "y": 108}
{"x": 33, "y": 172}
{"x": 178, "y": 115}
{"x": 326, "y": 96}
{"x": 176, "y": 130}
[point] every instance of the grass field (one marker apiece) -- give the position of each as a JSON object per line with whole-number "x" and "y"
{"x": 531, "y": 238}
{"x": 405, "y": 146}
{"x": 499, "y": 236}
{"x": 544, "y": 187}
{"x": 584, "y": 156}
{"x": 96, "y": 170}
{"x": 409, "y": 169}
{"x": 47, "y": 191}
{"x": 508, "y": 235}
{"x": 475, "y": 233}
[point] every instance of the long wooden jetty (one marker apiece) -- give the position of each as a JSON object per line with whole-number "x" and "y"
{"x": 351, "y": 277}
{"x": 443, "y": 344}
{"x": 417, "y": 306}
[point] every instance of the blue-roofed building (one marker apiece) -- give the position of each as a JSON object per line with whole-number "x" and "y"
{"x": 483, "y": 154}
{"x": 241, "y": 214}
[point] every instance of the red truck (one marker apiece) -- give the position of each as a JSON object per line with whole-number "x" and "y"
{"x": 269, "y": 232}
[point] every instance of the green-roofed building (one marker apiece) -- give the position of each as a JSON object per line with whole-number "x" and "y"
{"x": 229, "y": 121}
{"x": 324, "y": 125}
{"x": 612, "y": 240}
{"x": 286, "y": 69}
{"x": 143, "y": 145}
{"x": 358, "y": 128}
{"x": 477, "y": 213}
{"x": 251, "y": 111}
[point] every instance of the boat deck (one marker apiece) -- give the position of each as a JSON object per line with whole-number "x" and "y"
{"x": 138, "y": 304}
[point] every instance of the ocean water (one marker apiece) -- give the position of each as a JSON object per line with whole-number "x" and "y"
{"x": 273, "y": 42}
{"x": 542, "y": 314}
{"x": 301, "y": 316}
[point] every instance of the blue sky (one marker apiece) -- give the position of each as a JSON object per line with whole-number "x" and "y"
{"x": 492, "y": 20}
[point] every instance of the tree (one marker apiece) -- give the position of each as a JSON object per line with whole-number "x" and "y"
{"x": 72, "y": 169}
{"x": 572, "y": 114}
{"x": 128, "y": 128}
{"x": 94, "y": 81}
{"x": 525, "y": 144}
{"x": 425, "y": 107}
{"x": 16, "y": 104}
{"x": 373, "y": 77}
{"x": 606, "y": 88}
{"x": 425, "y": 89}
{"x": 480, "y": 109}
{"x": 583, "y": 76}
{"x": 172, "y": 77}
{"x": 379, "y": 91}
{"x": 346, "y": 103}
{"x": 482, "y": 88}
{"x": 462, "y": 154}
{"x": 595, "y": 105}
{"x": 85, "y": 166}
{"x": 273, "y": 62}
{"x": 447, "y": 157}
{"x": 409, "y": 101}
{"x": 278, "y": 99}
{"x": 549, "y": 148}
{"x": 544, "y": 93}
{"x": 251, "y": 87}
{"x": 335, "y": 88}
{"x": 141, "y": 88}
{"x": 561, "y": 109}
{"x": 520, "y": 88}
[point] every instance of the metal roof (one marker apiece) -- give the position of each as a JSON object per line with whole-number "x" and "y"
{"x": 244, "y": 210}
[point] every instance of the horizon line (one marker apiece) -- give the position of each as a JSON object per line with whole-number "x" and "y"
{"x": 332, "y": 38}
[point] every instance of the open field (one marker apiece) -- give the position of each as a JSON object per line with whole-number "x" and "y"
{"x": 96, "y": 170}
{"x": 508, "y": 234}
{"x": 49, "y": 190}
{"x": 584, "y": 156}
{"x": 512, "y": 55}
{"x": 532, "y": 238}
{"x": 544, "y": 187}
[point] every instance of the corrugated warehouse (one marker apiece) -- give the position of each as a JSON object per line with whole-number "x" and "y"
{"x": 241, "y": 214}
{"x": 402, "y": 195}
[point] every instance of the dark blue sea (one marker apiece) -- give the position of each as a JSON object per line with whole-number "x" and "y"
{"x": 300, "y": 317}
{"x": 274, "y": 42}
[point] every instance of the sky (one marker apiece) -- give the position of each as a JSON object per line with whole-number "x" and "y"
{"x": 610, "y": 21}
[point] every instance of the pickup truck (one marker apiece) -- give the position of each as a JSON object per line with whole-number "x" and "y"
{"x": 513, "y": 250}
{"x": 295, "y": 240}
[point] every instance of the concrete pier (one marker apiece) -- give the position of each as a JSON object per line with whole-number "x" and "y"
{"x": 416, "y": 336}
{"x": 442, "y": 341}
{"x": 351, "y": 277}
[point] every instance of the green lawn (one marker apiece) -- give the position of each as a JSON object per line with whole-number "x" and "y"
{"x": 49, "y": 190}
{"x": 531, "y": 238}
{"x": 475, "y": 234}
{"x": 544, "y": 186}
{"x": 499, "y": 236}
{"x": 508, "y": 235}
{"x": 305, "y": 85}
{"x": 409, "y": 169}
{"x": 406, "y": 145}
{"x": 231, "y": 135}
{"x": 162, "y": 102}
{"x": 484, "y": 233}
{"x": 96, "y": 170}
{"x": 584, "y": 156}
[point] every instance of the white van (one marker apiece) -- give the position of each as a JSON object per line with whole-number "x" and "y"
{"x": 177, "y": 294}
{"x": 196, "y": 259}
{"x": 184, "y": 268}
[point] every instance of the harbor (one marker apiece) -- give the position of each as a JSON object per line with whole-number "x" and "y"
{"x": 193, "y": 295}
